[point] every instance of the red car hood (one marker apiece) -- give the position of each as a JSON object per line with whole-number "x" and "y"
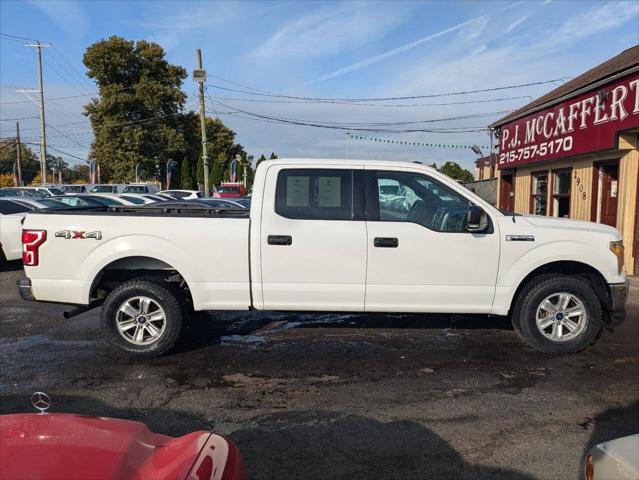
{"x": 64, "y": 446}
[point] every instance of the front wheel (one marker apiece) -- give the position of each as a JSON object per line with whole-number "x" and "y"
{"x": 558, "y": 314}
{"x": 143, "y": 317}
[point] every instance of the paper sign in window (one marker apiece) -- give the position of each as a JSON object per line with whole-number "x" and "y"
{"x": 329, "y": 192}
{"x": 297, "y": 191}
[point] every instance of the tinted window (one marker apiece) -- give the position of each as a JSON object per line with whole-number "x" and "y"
{"x": 55, "y": 191}
{"x": 135, "y": 189}
{"x": 315, "y": 194}
{"x": 228, "y": 190}
{"x": 7, "y": 207}
{"x": 104, "y": 189}
{"x": 178, "y": 194}
{"x": 412, "y": 197}
{"x": 102, "y": 200}
{"x": 74, "y": 188}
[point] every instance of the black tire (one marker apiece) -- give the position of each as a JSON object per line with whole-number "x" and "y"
{"x": 533, "y": 294}
{"x": 165, "y": 296}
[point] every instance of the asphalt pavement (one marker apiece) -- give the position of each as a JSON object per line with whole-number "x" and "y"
{"x": 341, "y": 396}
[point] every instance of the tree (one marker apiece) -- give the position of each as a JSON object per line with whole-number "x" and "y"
{"x": 186, "y": 178}
{"x": 28, "y": 160}
{"x": 260, "y": 160}
{"x": 138, "y": 114}
{"x": 454, "y": 171}
{"x": 217, "y": 172}
{"x": 273, "y": 156}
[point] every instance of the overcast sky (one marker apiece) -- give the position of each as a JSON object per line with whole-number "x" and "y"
{"x": 320, "y": 49}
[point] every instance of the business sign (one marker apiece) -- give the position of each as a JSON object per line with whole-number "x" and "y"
{"x": 583, "y": 124}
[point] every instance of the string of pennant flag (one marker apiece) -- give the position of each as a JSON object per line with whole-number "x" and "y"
{"x": 411, "y": 143}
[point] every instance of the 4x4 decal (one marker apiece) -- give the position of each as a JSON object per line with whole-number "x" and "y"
{"x": 71, "y": 234}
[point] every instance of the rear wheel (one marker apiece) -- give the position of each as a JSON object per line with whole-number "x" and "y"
{"x": 143, "y": 317}
{"x": 558, "y": 314}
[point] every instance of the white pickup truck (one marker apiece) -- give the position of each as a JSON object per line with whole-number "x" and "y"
{"x": 331, "y": 235}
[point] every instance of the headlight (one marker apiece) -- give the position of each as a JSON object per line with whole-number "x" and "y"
{"x": 617, "y": 249}
{"x": 590, "y": 468}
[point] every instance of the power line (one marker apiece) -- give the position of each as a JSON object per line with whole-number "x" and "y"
{"x": 16, "y": 37}
{"x": 53, "y": 98}
{"x": 15, "y": 119}
{"x": 382, "y": 99}
{"x": 361, "y": 104}
{"x": 79, "y": 75}
{"x": 357, "y": 125}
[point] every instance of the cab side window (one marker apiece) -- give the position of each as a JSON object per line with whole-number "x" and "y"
{"x": 315, "y": 194}
{"x": 416, "y": 198}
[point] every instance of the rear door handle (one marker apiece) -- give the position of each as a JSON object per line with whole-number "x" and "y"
{"x": 386, "y": 242}
{"x": 280, "y": 240}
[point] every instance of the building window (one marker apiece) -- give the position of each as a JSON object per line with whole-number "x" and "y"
{"x": 540, "y": 193}
{"x": 561, "y": 193}
{"x": 314, "y": 194}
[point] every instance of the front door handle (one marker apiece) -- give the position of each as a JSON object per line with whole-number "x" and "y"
{"x": 279, "y": 240}
{"x": 386, "y": 242}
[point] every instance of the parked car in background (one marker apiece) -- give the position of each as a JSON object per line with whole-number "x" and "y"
{"x": 321, "y": 237}
{"x": 10, "y": 237}
{"x": 87, "y": 200}
{"x": 49, "y": 191}
{"x": 183, "y": 194}
{"x": 140, "y": 188}
{"x": 17, "y": 192}
{"x": 12, "y": 212}
{"x": 52, "y": 446}
{"x": 33, "y": 203}
{"x": 244, "y": 201}
{"x": 107, "y": 188}
{"x": 75, "y": 188}
{"x": 616, "y": 459}
{"x": 231, "y": 189}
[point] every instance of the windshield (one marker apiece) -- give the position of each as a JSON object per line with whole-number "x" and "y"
{"x": 228, "y": 190}
{"x": 135, "y": 189}
{"x": 102, "y": 189}
{"x": 56, "y": 191}
{"x": 73, "y": 189}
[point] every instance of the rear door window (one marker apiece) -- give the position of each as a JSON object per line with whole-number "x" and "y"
{"x": 315, "y": 194}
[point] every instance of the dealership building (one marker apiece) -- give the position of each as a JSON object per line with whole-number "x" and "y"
{"x": 574, "y": 152}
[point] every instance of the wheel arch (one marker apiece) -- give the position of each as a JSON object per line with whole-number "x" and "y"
{"x": 132, "y": 266}
{"x": 568, "y": 267}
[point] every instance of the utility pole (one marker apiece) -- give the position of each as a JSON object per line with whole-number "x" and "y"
{"x": 18, "y": 154}
{"x": 199, "y": 76}
{"x": 43, "y": 136}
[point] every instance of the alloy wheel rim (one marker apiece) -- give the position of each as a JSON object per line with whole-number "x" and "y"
{"x": 561, "y": 317}
{"x": 140, "y": 320}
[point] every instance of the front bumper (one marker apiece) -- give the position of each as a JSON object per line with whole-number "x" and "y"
{"x": 24, "y": 289}
{"x": 617, "y": 304}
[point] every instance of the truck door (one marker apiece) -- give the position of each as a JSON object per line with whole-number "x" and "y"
{"x": 313, "y": 239}
{"x": 420, "y": 256}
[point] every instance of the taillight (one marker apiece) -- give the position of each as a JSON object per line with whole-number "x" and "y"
{"x": 31, "y": 241}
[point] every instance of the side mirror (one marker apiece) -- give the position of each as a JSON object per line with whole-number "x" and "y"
{"x": 477, "y": 220}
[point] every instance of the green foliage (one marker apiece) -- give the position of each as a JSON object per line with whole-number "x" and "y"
{"x": 456, "y": 172}
{"x": 29, "y": 161}
{"x": 186, "y": 178}
{"x": 217, "y": 172}
{"x": 273, "y": 156}
{"x": 137, "y": 117}
{"x": 260, "y": 160}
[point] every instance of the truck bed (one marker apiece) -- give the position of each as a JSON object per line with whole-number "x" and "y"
{"x": 208, "y": 247}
